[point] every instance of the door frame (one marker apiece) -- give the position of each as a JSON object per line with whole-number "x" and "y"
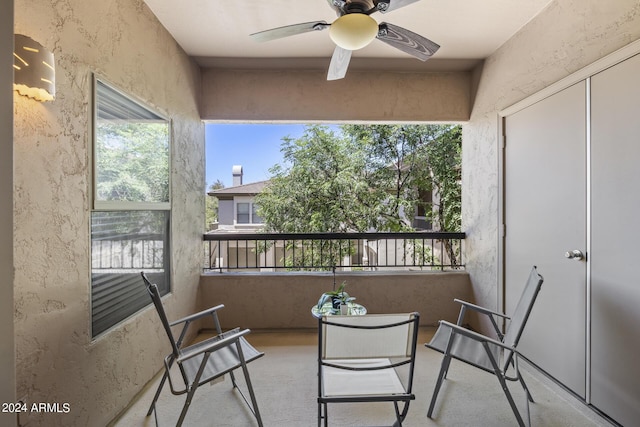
{"x": 584, "y": 74}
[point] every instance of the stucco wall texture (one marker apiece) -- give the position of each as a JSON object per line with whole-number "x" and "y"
{"x": 306, "y": 95}
{"x": 56, "y": 359}
{"x": 273, "y": 300}
{"x": 567, "y": 36}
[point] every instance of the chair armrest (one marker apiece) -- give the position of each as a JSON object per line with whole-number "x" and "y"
{"x": 481, "y": 309}
{"x": 196, "y": 316}
{"x": 476, "y": 336}
{"x": 214, "y": 345}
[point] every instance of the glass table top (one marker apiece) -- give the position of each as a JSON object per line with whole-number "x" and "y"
{"x": 327, "y": 309}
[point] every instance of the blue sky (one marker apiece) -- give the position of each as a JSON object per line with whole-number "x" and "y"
{"x": 254, "y": 146}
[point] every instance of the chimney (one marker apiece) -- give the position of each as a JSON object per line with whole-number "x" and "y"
{"x": 237, "y": 175}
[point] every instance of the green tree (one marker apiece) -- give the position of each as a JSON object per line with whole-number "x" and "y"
{"x": 132, "y": 161}
{"x": 408, "y": 162}
{"x": 211, "y": 204}
{"x": 395, "y": 172}
{"x": 443, "y": 160}
{"x": 320, "y": 188}
{"x": 365, "y": 177}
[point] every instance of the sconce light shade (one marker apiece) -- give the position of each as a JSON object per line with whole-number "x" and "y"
{"x": 34, "y": 73}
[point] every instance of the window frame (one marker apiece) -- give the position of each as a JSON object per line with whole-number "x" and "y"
{"x": 127, "y": 206}
{"x": 107, "y": 205}
{"x": 253, "y": 206}
{"x": 254, "y": 214}
{"x": 247, "y": 213}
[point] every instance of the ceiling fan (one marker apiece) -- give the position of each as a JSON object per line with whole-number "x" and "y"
{"x": 354, "y": 29}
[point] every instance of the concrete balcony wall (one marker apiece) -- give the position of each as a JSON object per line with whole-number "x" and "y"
{"x": 284, "y": 300}
{"x": 305, "y": 95}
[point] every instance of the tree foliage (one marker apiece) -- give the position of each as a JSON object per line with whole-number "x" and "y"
{"x": 132, "y": 166}
{"x": 132, "y": 161}
{"x": 444, "y": 161}
{"x": 364, "y": 177}
{"x": 319, "y": 187}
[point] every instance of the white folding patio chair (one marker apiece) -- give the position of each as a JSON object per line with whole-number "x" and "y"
{"x": 483, "y": 352}
{"x": 367, "y": 358}
{"x": 204, "y": 361}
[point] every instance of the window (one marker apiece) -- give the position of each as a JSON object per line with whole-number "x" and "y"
{"x": 130, "y": 221}
{"x": 422, "y": 220}
{"x": 243, "y": 213}
{"x": 246, "y": 213}
{"x": 255, "y": 218}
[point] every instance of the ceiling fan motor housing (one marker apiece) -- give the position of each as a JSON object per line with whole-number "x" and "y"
{"x": 359, "y": 6}
{"x": 344, "y": 7}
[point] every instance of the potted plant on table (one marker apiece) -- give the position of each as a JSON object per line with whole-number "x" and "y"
{"x": 339, "y": 298}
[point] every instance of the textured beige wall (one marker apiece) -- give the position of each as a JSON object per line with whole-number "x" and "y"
{"x": 7, "y": 350}
{"x": 57, "y": 362}
{"x": 567, "y": 36}
{"x": 304, "y": 95}
{"x": 260, "y": 301}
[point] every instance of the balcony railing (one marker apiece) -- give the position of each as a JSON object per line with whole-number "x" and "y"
{"x": 126, "y": 252}
{"x": 325, "y": 251}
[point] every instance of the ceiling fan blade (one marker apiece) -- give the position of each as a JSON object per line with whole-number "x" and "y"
{"x": 407, "y": 41}
{"x": 339, "y": 63}
{"x": 396, "y": 4}
{"x": 289, "y": 30}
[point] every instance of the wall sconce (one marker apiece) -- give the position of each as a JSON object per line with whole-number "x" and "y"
{"x": 34, "y": 74}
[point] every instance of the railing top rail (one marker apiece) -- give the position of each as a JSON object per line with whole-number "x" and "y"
{"x": 335, "y": 236}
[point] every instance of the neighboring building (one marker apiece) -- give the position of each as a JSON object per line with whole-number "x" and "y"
{"x": 237, "y": 210}
{"x": 237, "y": 213}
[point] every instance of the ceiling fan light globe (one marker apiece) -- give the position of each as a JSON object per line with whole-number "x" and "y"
{"x": 353, "y": 31}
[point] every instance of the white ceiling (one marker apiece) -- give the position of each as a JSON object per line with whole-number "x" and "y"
{"x": 216, "y": 32}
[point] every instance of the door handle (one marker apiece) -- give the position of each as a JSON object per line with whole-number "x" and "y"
{"x": 575, "y": 254}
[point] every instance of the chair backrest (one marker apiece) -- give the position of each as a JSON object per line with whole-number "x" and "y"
{"x": 521, "y": 313}
{"x": 154, "y": 292}
{"x": 368, "y": 336}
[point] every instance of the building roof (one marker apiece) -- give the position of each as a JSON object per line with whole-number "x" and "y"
{"x": 250, "y": 189}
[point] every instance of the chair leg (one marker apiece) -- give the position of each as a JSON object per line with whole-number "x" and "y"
{"x": 399, "y": 416}
{"x": 444, "y": 368}
{"x": 507, "y": 393}
{"x": 233, "y": 380}
{"x": 405, "y": 410}
{"x": 322, "y": 414}
{"x": 526, "y": 389}
{"x": 254, "y": 403}
{"x": 157, "y": 395}
{"x": 187, "y": 403}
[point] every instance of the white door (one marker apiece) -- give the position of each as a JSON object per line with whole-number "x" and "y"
{"x": 544, "y": 214}
{"x": 615, "y": 240}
